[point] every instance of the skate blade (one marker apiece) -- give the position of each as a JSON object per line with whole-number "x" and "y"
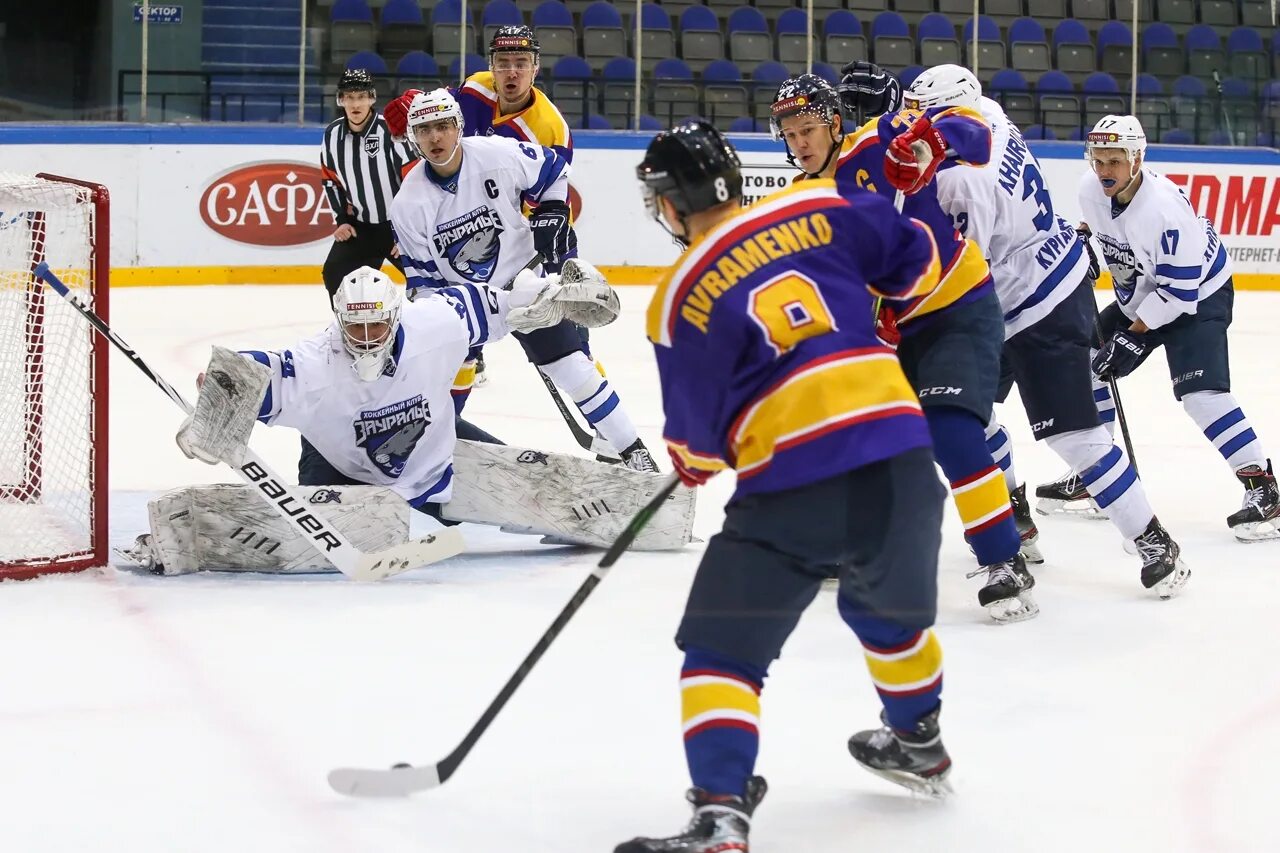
{"x": 1031, "y": 551}
{"x": 1257, "y": 531}
{"x": 1168, "y": 586}
{"x": 938, "y": 787}
{"x": 1020, "y": 608}
{"x": 1077, "y": 509}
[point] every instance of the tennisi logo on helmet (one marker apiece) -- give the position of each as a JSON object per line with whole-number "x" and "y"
{"x": 269, "y": 204}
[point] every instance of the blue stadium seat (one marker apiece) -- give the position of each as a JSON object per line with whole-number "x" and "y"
{"x": 1154, "y": 109}
{"x": 749, "y": 39}
{"x": 417, "y": 70}
{"x": 572, "y": 88}
{"x": 446, "y": 27}
{"x": 1011, "y": 89}
{"x": 1204, "y": 51}
{"x": 1190, "y": 103}
{"x": 1161, "y": 54}
{"x": 602, "y": 35}
{"x": 657, "y": 38}
{"x": 619, "y": 90}
{"x": 1115, "y": 48}
{"x": 765, "y": 79}
{"x": 402, "y": 29}
{"x": 700, "y": 38}
{"x": 1176, "y": 137}
{"x": 891, "y": 42}
{"x": 843, "y": 41}
{"x": 1038, "y": 131}
{"x": 793, "y": 38}
{"x": 1218, "y": 13}
{"x": 475, "y": 64}
{"x": 1248, "y": 54}
{"x": 826, "y": 72}
{"x": 724, "y": 93}
{"x": 746, "y": 124}
{"x": 991, "y": 52}
{"x": 595, "y": 121}
{"x": 553, "y": 23}
{"x": 648, "y": 122}
{"x": 1073, "y": 50}
{"x": 1102, "y": 97}
{"x": 350, "y": 29}
{"x": 1028, "y": 46}
{"x": 908, "y": 75}
{"x": 351, "y": 11}
{"x": 1189, "y": 87}
{"x": 674, "y": 94}
{"x": 1009, "y": 80}
{"x": 1059, "y": 105}
{"x": 498, "y": 13}
{"x": 1218, "y": 137}
{"x": 368, "y": 60}
{"x": 938, "y": 44}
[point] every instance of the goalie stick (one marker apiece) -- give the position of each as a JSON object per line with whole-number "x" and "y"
{"x": 311, "y": 524}
{"x": 404, "y": 779}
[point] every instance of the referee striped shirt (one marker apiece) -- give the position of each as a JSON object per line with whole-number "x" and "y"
{"x": 362, "y": 171}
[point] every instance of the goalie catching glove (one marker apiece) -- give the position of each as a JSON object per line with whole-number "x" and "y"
{"x": 231, "y": 393}
{"x": 578, "y": 294}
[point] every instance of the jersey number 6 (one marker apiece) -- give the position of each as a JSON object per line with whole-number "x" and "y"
{"x": 789, "y": 309}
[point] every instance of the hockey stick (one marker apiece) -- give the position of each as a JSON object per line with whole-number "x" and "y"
{"x": 311, "y": 524}
{"x": 404, "y": 779}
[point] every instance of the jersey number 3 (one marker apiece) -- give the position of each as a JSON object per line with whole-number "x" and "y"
{"x": 789, "y": 309}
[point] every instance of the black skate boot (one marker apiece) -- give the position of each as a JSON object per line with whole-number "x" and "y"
{"x": 1259, "y": 515}
{"x": 1007, "y": 592}
{"x": 1162, "y": 567}
{"x": 637, "y": 458}
{"x": 916, "y": 760}
{"x": 1027, "y": 529}
{"x": 719, "y": 825}
{"x": 1067, "y": 495}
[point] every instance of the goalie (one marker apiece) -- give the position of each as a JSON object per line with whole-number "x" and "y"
{"x": 372, "y": 394}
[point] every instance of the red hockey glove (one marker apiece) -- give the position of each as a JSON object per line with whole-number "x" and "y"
{"x": 691, "y": 477}
{"x": 396, "y": 113}
{"x": 914, "y": 156}
{"x": 887, "y": 326}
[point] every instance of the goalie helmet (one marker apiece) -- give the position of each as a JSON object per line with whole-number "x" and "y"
{"x": 693, "y": 166}
{"x": 944, "y": 86}
{"x": 367, "y": 306}
{"x": 1115, "y": 131}
{"x": 435, "y": 105}
{"x": 807, "y": 93}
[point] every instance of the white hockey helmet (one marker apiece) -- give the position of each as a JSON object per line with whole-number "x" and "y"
{"x": 368, "y": 306}
{"x": 944, "y": 86}
{"x": 433, "y": 106}
{"x": 1114, "y": 131}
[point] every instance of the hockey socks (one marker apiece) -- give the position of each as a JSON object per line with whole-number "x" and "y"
{"x": 977, "y": 484}
{"x": 905, "y": 664}
{"x": 720, "y": 704}
{"x": 1001, "y": 447}
{"x": 576, "y": 375}
{"x": 1223, "y": 422}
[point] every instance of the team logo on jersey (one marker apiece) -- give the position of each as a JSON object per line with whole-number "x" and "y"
{"x": 390, "y": 434}
{"x": 471, "y": 243}
{"x": 1124, "y": 267}
{"x": 372, "y": 144}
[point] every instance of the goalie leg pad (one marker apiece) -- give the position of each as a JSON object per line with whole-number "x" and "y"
{"x": 566, "y": 497}
{"x": 227, "y": 528}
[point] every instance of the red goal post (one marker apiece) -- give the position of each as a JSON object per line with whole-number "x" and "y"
{"x": 53, "y": 377}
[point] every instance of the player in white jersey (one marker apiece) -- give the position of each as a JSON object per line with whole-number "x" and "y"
{"x": 1173, "y": 287}
{"x": 458, "y": 220}
{"x": 1042, "y": 275}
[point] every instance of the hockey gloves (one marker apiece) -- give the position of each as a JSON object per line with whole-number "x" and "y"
{"x": 867, "y": 90}
{"x": 1120, "y": 355}
{"x": 396, "y": 113}
{"x": 580, "y": 295}
{"x": 913, "y": 157}
{"x": 887, "y": 326}
{"x": 553, "y": 236}
{"x": 691, "y": 477}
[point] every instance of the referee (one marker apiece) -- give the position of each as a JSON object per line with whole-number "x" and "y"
{"x": 362, "y": 167}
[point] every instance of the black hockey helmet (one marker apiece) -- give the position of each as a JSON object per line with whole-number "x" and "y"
{"x": 356, "y": 80}
{"x": 807, "y": 93}
{"x": 692, "y": 166}
{"x": 515, "y": 39}
{"x": 868, "y": 90}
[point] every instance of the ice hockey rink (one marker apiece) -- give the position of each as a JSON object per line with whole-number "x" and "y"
{"x": 202, "y": 713}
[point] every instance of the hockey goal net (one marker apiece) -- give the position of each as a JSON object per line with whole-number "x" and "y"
{"x": 53, "y": 377}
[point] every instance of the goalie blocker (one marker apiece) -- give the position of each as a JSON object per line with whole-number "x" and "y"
{"x": 568, "y": 499}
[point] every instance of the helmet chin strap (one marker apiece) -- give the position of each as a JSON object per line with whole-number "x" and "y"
{"x": 835, "y": 146}
{"x": 445, "y": 161}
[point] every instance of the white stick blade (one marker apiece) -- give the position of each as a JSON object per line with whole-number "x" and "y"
{"x": 440, "y": 545}
{"x": 395, "y": 782}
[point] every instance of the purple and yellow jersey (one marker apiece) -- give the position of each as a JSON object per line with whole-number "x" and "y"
{"x": 540, "y": 122}
{"x": 965, "y": 274}
{"x": 768, "y": 358}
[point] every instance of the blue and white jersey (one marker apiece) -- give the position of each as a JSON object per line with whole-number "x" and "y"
{"x": 1164, "y": 259}
{"x": 1036, "y": 258}
{"x": 397, "y": 431}
{"x": 470, "y": 228}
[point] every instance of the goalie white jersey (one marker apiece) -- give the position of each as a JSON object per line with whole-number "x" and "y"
{"x": 1036, "y": 258}
{"x": 397, "y": 431}
{"x": 1164, "y": 259}
{"x": 471, "y": 227}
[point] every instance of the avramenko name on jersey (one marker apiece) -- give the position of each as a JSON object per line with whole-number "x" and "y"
{"x": 469, "y": 227}
{"x": 1164, "y": 259}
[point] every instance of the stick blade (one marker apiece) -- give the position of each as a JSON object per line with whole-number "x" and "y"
{"x": 394, "y": 782}
{"x": 440, "y": 545}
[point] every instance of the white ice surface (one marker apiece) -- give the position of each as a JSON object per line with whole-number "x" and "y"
{"x": 202, "y": 713}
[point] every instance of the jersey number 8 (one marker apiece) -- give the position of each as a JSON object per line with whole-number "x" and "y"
{"x": 789, "y": 309}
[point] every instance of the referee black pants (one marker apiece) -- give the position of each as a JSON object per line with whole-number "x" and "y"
{"x": 370, "y": 246}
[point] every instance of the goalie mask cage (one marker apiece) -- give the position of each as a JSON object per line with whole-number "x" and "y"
{"x": 53, "y": 377}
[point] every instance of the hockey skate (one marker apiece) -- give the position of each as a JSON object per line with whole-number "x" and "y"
{"x": 1067, "y": 495}
{"x": 719, "y": 825}
{"x": 637, "y": 458}
{"x": 1259, "y": 516}
{"x": 1162, "y": 566}
{"x": 916, "y": 760}
{"x": 1007, "y": 592}
{"x": 1027, "y": 529}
